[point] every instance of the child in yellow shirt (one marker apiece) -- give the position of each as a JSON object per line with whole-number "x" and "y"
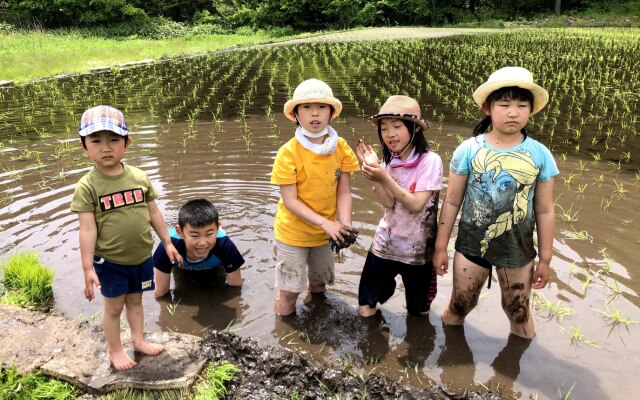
{"x": 313, "y": 172}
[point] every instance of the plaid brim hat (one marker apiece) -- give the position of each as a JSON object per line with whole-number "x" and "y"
{"x": 103, "y": 118}
{"x": 400, "y": 107}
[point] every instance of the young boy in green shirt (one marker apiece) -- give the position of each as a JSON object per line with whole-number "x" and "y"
{"x": 116, "y": 208}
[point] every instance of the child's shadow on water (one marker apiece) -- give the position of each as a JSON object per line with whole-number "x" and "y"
{"x": 199, "y": 301}
{"x": 325, "y": 319}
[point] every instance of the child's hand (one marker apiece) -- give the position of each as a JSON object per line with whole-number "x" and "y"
{"x": 90, "y": 279}
{"x": 174, "y": 256}
{"x": 365, "y": 153}
{"x": 234, "y": 278}
{"x": 373, "y": 172}
{"x": 440, "y": 261}
{"x": 335, "y": 230}
{"x": 541, "y": 275}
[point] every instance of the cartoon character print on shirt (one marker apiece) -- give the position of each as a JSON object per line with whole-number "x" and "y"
{"x": 507, "y": 179}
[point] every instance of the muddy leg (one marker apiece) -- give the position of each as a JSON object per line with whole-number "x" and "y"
{"x": 316, "y": 286}
{"x": 285, "y": 302}
{"x": 135, "y": 317}
{"x": 111, "y": 325}
{"x": 468, "y": 279}
{"x": 515, "y": 284}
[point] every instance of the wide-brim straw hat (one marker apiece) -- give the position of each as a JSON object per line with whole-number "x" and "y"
{"x": 312, "y": 91}
{"x": 400, "y": 107}
{"x": 508, "y": 77}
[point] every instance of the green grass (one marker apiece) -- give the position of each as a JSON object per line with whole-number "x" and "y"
{"x": 32, "y": 386}
{"x": 28, "y": 55}
{"x": 27, "y": 282}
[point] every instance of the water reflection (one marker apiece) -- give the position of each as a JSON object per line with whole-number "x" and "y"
{"x": 198, "y": 302}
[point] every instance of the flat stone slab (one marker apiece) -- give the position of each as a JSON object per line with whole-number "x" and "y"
{"x": 75, "y": 351}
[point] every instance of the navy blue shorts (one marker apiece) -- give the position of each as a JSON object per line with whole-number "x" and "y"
{"x": 117, "y": 280}
{"x": 377, "y": 283}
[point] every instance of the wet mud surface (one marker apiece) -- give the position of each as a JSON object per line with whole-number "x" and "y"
{"x": 268, "y": 373}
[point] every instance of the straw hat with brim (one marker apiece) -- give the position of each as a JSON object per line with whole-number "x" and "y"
{"x": 400, "y": 107}
{"x": 312, "y": 91}
{"x": 509, "y": 77}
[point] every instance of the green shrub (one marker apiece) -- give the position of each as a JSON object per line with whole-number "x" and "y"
{"x": 28, "y": 283}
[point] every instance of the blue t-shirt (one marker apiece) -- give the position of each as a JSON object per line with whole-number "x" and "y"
{"x": 224, "y": 253}
{"x": 497, "y": 219}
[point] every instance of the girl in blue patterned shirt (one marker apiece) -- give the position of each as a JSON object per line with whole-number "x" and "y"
{"x": 504, "y": 181}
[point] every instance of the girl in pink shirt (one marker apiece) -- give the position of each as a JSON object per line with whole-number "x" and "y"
{"x": 407, "y": 185}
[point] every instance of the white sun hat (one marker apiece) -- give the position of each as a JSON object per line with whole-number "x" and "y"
{"x": 508, "y": 77}
{"x": 312, "y": 91}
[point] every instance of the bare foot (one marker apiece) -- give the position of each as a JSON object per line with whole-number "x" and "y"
{"x": 121, "y": 360}
{"x": 366, "y": 311}
{"x": 150, "y": 349}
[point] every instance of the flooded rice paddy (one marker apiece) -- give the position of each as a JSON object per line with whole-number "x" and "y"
{"x": 210, "y": 127}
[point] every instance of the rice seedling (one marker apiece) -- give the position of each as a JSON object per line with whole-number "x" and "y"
{"x": 616, "y": 319}
{"x": 599, "y": 180}
{"x": 557, "y": 310}
{"x": 567, "y": 396}
{"x": 605, "y": 204}
{"x": 619, "y": 189}
{"x": 173, "y": 307}
{"x": 28, "y": 282}
{"x": 568, "y": 215}
{"x": 576, "y": 336}
{"x": 212, "y": 385}
{"x": 577, "y": 235}
{"x": 568, "y": 180}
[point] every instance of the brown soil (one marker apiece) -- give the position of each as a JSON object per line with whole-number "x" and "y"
{"x": 268, "y": 373}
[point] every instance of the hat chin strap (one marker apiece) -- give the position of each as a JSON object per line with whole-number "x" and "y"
{"x": 408, "y": 144}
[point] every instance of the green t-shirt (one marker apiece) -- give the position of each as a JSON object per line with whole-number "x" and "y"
{"x": 119, "y": 204}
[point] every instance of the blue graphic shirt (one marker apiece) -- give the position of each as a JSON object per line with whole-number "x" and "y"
{"x": 224, "y": 253}
{"x": 497, "y": 219}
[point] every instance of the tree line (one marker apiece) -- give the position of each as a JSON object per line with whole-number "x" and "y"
{"x": 299, "y": 15}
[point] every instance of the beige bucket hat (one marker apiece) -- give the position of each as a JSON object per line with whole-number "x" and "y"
{"x": 400, "y": 107}
{"x": 512, "y": 76}
{"x": 312, "y": 91}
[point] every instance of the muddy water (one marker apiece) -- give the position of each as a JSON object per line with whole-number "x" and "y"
{"x": 226, "y": 156}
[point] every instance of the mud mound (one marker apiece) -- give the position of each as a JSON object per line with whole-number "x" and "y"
{"x": 267, "y": 373}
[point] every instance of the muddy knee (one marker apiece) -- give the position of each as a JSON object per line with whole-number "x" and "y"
{"x": 462, "y": 305}
{"x": 517, "y": 309}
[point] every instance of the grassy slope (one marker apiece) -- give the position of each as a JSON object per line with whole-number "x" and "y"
{"x": 30, "y": 55}
{"x": 27, "y": 55}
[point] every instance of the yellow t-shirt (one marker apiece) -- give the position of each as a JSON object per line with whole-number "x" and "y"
{"x": 316, "y": 178}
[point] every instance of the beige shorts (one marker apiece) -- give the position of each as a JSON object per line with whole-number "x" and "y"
{"x": 296, "y": 265}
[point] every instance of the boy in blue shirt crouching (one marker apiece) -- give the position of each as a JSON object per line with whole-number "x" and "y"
{"x": 202, "y": 244}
